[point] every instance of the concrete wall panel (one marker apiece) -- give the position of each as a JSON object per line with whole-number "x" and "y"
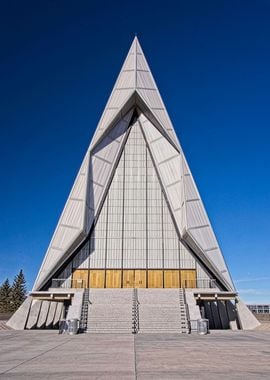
{"x": 43, "y": 314}
{"x": 34, "y": 314}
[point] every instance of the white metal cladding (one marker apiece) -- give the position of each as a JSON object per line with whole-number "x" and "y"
{"x": 82, "y": 258}
{"x": 123, "y": 88}
{"x": 183, "y": 196}
{"x": 84, "y": 199}
{"x": 168, "y": 164}
{"x": 135, "y": 77}
{"x": 70, "y": 225}
{"x": 135, "y": 228}
{"x": 102, "y": 164}
{"x": 115, "y": 218}
{"x": 199, "y": 227}
{"x": 171, "y": 241}
{"x": 134, "y": 221}
{"x": 98, "y": 241}
{"x": 187, "y": 261}
{"x": 154, "y": 217}
{"x": 66, "y": 274}
{"x": 130, "y": 185}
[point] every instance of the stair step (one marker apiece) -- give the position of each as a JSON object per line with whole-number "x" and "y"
{"x": 114, "y": 310}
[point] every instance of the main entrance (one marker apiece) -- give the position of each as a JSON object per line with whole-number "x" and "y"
{"x": 134, "y": 278}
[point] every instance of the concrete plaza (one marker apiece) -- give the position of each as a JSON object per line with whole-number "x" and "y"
{"x": 220, "y": 355}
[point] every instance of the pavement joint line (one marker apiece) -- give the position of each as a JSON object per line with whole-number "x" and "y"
{"x": 35, "y": 357}
{"x": 11, "y": 336}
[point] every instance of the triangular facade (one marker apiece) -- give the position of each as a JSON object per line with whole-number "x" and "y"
{"x": 134, "y": 205}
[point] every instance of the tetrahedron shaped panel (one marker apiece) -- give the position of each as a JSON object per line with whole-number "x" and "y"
{"x": 134, "y": 229}
{"x": 84, "y": 200}
{"x": 198, "y": 226}
{"x": 184, "y": 199}
{"x": 134, "y": 82}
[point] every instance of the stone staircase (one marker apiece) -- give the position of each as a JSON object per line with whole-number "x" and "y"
{"x": 110, "y": 311}
{"x": 137, "y": 311}
{"x": 162, "y": 311}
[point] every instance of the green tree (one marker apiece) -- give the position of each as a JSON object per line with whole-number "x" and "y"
{"x": 5, "y": 297}
{"x": 18, "y": 291}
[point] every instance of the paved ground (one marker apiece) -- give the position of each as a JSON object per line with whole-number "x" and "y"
{"x": 220, "y": 355}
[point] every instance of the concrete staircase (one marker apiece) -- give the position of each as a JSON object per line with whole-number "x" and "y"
{"x": 110, "y": 311}
{"x": 137, "y": 311}
{"x": 162, "y": 311}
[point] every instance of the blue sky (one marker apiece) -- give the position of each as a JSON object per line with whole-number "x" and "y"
{"x": 211, "y": 61}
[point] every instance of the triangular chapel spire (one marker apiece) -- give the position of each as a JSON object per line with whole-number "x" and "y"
{"x": 134, "y": 90}
{"x": 135, "y": 85}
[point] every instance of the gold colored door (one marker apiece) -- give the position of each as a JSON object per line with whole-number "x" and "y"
{"x": 188, "y": 278}
{"x": 128, "y": 278}
{"x": 80, "y": 278}
{"x": 171, "y": 279}
{"x": 140, "y": 279}
{"x": 113, "y": 278}
{"x": 155, "y": 278}
{"x": 97, "y": 278}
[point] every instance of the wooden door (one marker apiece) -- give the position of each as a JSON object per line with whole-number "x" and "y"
{"x": 80, "y": 278}
{"x": 128, "y": 278}
{"x": 113, "y": 278}
{"x": 97, "y": 278}
{"x": 171, "y": 279}
{"x": 140, "y": 279}
{"x": 155, "y": 278}
{"x": 188, "y": 278}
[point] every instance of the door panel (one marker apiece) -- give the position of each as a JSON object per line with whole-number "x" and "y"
{"x": 128, "y": 278}
{"x": 155, "y": 279}
{"x": 113, "y": 278}
{"x": 97, "y": 277}
{"x": 140, "y": 279}
{"x": 171, "y": 279}
{"x": 188, "y": 278}
{"x": 80, "y": 278}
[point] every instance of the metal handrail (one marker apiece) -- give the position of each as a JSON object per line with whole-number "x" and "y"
{"x": 68, "y": 283}
{"x": 135, "y": 312}
{"x": 187, "y": 311}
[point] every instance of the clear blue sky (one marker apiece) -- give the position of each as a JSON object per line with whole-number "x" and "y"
{"x": 211, "y": 60}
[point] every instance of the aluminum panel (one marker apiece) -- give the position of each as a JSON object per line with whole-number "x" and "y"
{"x": 130, "y": 62}
{"x": 171, "y": 171}
{"x": 196, "y": 215}
{"x": 205, "y": 237}
{"x": 79, "y": 188}
{"x": 73, "y": 214}
{"x": 190, "y": 190}
{"x": 119, "y": 97}
{"x": 126, "y": 80}
{"x": 108, "y": 116}
{"x": 163, "y": 154}
{"x": 64, "y": 235}
{"x": 81, "y": 260}
{"x": 141, "y": 63}
{"x": 145, "y": 80}
{"x": 153, "y": 100}
{"x": 107, "y": 150}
